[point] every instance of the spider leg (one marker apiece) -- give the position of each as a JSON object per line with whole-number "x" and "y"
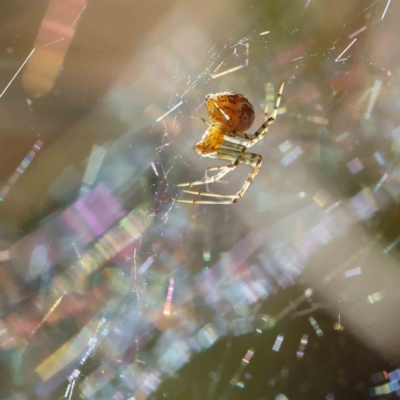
{"x": 263, "y": 130}
{"x": 236, "y": 144}
{"x": 204, "y": 181}
{"x": 204, "y": 202}
{"x": 224, "y": 114}
{"x": 216, "y": 168}
{"x": 209, "y": 194}
{"x": 206, "y": 122}
{"x": 225, "y": 168}
{"x": 257, "y": 160}
{"x": 253, "y": 160}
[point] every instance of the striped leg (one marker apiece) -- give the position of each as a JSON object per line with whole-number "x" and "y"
{"x": 253, "y": 160}
{"x": 263, "y": 130}
{"x": 209, "y": 179}
{"x": 225, "y": 168}
{"x": 258, "y": 160}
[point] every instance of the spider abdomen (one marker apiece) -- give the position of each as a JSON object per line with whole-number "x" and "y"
{"x": 231, "y": 109}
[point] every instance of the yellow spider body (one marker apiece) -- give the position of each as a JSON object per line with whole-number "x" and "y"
{"x": 212, "y": 139}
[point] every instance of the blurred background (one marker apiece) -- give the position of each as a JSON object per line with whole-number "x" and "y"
{"x": 110, "y": 289}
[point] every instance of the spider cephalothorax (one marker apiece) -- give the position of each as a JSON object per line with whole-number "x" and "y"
{"x": 212, "y": 139}
{"x": 230, "y": 114}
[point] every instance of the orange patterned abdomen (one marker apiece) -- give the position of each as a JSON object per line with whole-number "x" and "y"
{"x": 231, "y": 109}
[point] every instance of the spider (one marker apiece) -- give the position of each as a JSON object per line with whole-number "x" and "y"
{"x": 231, "y": 114}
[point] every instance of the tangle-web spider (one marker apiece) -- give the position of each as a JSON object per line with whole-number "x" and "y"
{"x": 231, "y": 114}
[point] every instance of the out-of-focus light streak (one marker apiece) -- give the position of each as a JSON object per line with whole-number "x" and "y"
{"x": 219, "y": 65}
{"x": 108, "y": 246}
{"x": 278, "y": 343}
{"x": 344, "y": 51}
{"x": 298, "y": 58}
{"x": 285, "y": 146}
{"x": 362, "y": 253}
{"x": 206, "y": 255}
{"x": 374, "y": 95}
{"x": 5, "y": 255}
{"x": 242, "y": 326}
{"x": 7, "y": 341}
{"x": 168, "y": 301}
{"x": 375, "y": 297}
{"x": 392, "y": 245}
{"x": 358, "y": 32}
{"x": 154, "y": 168}
{"x": 218, "y": 373}
{"x": 228, "y": 71}
{"x": 293, "y": 305}
{"x": 386, "y": 388}
{"x": 321, "y": 198}
{"x": 68, "y": 353}
{"x": 341, "y": 137}
{"x": 67, "y": 390}
{"x": 90, "y": 350}
{"x": 169, "y": 111}
{"x": 43, "y": 68}
{"x": 312, "y": 118}
{"x": 364, "y": 204}
{"x": 317, "y": 120}
{"x": 92, "y": 169}
{"x": 316, "y": 327}
{"x": 208, "y": 335}
{"x": 393, "y": 376}
{"x": 332, "y": 207}
{"x": 386, "y": 8}
{"x": 245, "y": 362}
{"x": 355, "y": 166}
{"x": 146, "y": 265}
{"x": 303, "y": 344}
{"x": 19, "y": 70}
{"x": 379, "y": 159}
{"x": 149, "y": 385}
{"x": 363, "y": 96}
{"x": 290, "y": 157}
{"x": 269, "y": 98}
{"x": 44, "y": 319}
{"x": 353, "y": 272}
{"x": 74, "y": 375}
{"x": 21, "y": 169}
{"x": 71, "y": 386}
